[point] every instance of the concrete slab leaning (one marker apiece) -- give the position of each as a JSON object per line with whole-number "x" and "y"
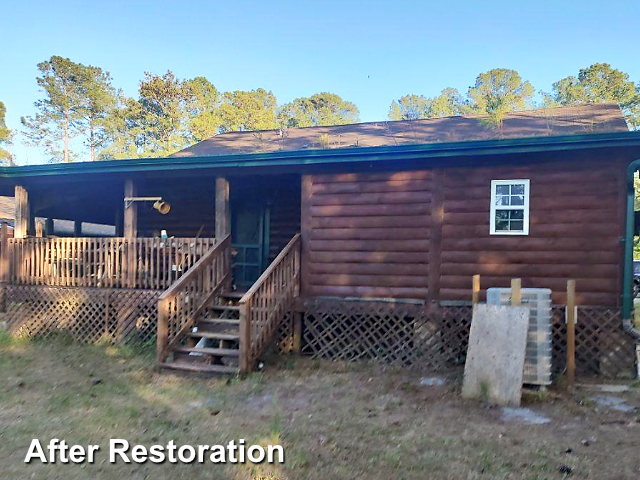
{"x": 495, "y": 358}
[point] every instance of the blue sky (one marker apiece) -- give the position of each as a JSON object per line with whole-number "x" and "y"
{"x": 369, "y": 52}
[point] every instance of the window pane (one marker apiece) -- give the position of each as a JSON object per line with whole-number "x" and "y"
{"x": 517, "y": 200}
{"x": 517, "y": 189}
{"x": 502, "y": 225}
{"x": 502, "y": 200}
{"x": 517, "y": 226}
{"x": 516, "y": 214}
{"x": 502, "y": 189}
{"x": 502, "y": 214}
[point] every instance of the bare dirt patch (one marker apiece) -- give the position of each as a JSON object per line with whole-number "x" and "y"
{"x": 335, "y": 420}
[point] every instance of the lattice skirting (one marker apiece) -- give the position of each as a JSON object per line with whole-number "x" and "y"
{"x": 284, "y": 342}
{"x": 408, "y": 334}
{"x": 602, "y": 346}
{"x": 436, "y": 337}
{"x": 399, "y": 333}
{"x": 85, "y": 314}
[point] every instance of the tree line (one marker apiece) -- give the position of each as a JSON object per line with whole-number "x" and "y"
{"x": 499, "y": 91}
{"x": 80, "y": 104}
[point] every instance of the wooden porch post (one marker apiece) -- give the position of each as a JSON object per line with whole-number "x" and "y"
{"x": 4, "y": 253}
{"x": 223, "y": 211}
{"x": 77, "y": 228}
{"x": 4, "y": 262}
{"x": 130, "y": 212}
{"x": 22, "y": 212}
{"x": 130, "y": 233}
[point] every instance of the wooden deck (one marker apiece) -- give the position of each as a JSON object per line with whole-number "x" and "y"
{"x": 176, "y": 290}
{"x": 92, "y": 289}
{"x": 145, "y": 263}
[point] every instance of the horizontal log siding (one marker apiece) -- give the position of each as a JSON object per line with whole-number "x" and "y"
{"x": 367, "y": 235}
{"x": 370, "y": 235}
{"x": 575, "y": 227}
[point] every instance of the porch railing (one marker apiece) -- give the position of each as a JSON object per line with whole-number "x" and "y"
{"x": 146, "y": 263}
{"x": 266, "y": 303}
{"x": 180, "y": 305}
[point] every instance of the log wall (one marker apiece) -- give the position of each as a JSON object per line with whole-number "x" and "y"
{"x": 424, "y": 234}
{"x": 576, "y": 221}
{"x": 367, "y": 234}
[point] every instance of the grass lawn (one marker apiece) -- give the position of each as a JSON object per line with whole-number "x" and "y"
{"x": 335, "y": 421}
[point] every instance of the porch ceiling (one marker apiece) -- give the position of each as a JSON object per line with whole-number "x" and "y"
{"x": 100, "y": 199}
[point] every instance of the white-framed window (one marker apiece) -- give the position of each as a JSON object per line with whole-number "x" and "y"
{"x": 509, "y": 207}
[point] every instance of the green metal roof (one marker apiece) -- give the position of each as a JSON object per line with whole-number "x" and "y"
{"x": 334, "y": 156}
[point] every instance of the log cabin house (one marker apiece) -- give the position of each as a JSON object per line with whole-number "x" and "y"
{"x": 352, "y": 241}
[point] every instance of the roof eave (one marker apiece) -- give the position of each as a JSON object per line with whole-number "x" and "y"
{"x": 330, "y": 156}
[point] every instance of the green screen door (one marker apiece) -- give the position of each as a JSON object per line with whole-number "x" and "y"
{"x": 249, "y": 236}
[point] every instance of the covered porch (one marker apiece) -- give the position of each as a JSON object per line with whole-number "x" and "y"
{"x": 208, "y": 281}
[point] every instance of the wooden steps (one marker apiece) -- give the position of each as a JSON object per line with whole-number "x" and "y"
{"x": 226, "y": 308}
{"x": 214, "y": 335}
{"x": 211, "y": 340}
{"x": 227, "y": 352}
{"x": 199, "y": 367}
{"x": 219, "y": 321}
{"x": 233, "y": 295}
{"x": 213, "y": 345}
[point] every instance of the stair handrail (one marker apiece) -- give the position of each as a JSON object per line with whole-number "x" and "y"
{"x": 267, "y": 301}
{"x": 187, "y": 297}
